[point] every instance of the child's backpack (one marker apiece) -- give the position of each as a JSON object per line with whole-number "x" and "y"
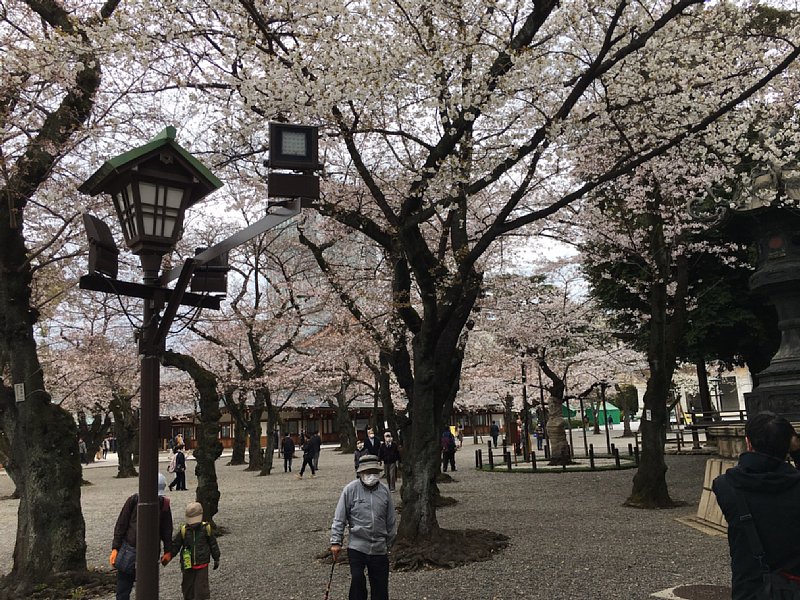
{"x": 186, "y": 553}
{"x": 206, "y": 526}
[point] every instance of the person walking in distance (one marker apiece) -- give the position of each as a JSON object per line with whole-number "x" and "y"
{"x": 389, "y": 454}
{"x": 494, "y": 431}
{"x": 308, "y": 459}
{"x": 448, "y": 450}
{"x": 179, "y": 483}
{"x": 288, "y": 453}
{"x": 370, "y": 443}
{"x": 360, "y": 451}
{"x": 365, "y": 506}
{"x": 317, "y": 441}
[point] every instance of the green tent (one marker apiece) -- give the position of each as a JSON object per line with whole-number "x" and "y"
{"x": 613, "y": 412}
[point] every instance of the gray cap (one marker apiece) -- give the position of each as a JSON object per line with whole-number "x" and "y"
{"x": 369, "y": 463}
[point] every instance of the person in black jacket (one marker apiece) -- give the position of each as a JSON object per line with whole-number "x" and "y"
{"x": 494, "y": 431}
{"x": 308, "y": 458}
{"x": 288, "y": 453}
{"x": 125, "y": 531}
{"x": 316, "y": 440}
{"x": 179, "y": 483}
{"x": 360, "y": 451}
{"x": 771, "y": 489}
{"x": 389, "y": 454}
{"x": 370, "y": 443}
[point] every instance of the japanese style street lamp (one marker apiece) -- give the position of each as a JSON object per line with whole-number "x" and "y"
{"x": 767, "y": 213}
{"x": 152, "y": 186}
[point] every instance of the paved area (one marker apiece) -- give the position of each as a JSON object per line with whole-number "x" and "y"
{"x": 570, "y": 536}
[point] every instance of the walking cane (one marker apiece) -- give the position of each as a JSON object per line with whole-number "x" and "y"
{"x": 330, "y": 579}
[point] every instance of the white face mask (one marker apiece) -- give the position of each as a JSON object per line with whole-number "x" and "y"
{"x": 370, "y": 479}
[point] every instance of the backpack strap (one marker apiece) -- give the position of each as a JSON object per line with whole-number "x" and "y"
{"x": 206, "y": 526}
{"x": 745, "y": 519}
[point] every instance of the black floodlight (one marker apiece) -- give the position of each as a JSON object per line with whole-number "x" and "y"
{"x": 103, "y": 251}
{"x": 211, "y": 277}
{"x": 294, "y": 147}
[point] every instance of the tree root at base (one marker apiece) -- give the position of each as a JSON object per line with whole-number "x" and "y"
{"x": 71, "y": 584}
{"x": 447, "y": 549}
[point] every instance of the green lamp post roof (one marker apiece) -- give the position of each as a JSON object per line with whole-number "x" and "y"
{"x": 112, "y": 168}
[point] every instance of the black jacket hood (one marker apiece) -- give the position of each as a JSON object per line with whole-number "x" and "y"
{"x": 760, "y": 472}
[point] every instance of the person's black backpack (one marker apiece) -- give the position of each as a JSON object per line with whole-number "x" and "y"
{"x": 775, "y": 586}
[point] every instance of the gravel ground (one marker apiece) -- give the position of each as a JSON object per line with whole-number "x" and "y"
{"x": 570, "y": 536}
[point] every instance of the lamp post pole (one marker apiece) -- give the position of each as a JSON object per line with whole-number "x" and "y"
{"x": 526, "y": 416}
{"x": 147, "y": 524}
{"x": 603, "y": 386}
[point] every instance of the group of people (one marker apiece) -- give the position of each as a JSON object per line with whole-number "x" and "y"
{"x": 107, "y": 444}
{"x": 193, "y": 543}
{"x": 387, "y": 452}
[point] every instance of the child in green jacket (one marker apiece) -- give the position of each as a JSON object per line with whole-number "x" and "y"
{"x": 194, "y": 545}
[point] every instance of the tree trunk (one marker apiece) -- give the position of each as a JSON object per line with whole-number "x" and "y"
{"x": 560, "y": 453}
{"x": 44, "y": 460}
{"x": 705, "y": 395}
{"x": 626, "y": 424}
{"x": 209, "y": 447}
{"x": 237, "y": 411}
{"x": 385, "y": 394}
{"x": 272, "y": 424}
{"x": 421, "y": 438}
{"x": 239, "y": 445}
{"x": 666, "y": 328}
{"x": 596, "y": 411}
{"x": 254, "y": 431}
{"x": 649, "y": 483}
{"x": 126, "y": 430}
{"x": 344, "y": 424}
{"x": 94, "y": 434}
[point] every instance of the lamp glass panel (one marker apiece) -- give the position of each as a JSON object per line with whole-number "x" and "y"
{"x": 169, "y": 225}
{"x": 294, "y": 143}
{"x": 161, "y": 209}
{"x": 148, "y": 194}
{"x": 174, "y": 198}
{"x": 126, "y": 208}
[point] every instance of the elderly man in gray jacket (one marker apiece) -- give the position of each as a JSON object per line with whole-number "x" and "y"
{"x": 366, "y": 507}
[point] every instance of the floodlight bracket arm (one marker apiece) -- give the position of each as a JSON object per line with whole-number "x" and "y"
{"x": 283, "y": 213}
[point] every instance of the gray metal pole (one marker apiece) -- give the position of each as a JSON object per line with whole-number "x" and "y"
{"x": 147, "y": 538}
{"x": 605, "y": 415}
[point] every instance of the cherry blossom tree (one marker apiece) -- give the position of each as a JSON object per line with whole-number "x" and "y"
{"x": 52, "y": 76}
{"x": 456, "y": 126}
{"x": 552, "y": 321}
